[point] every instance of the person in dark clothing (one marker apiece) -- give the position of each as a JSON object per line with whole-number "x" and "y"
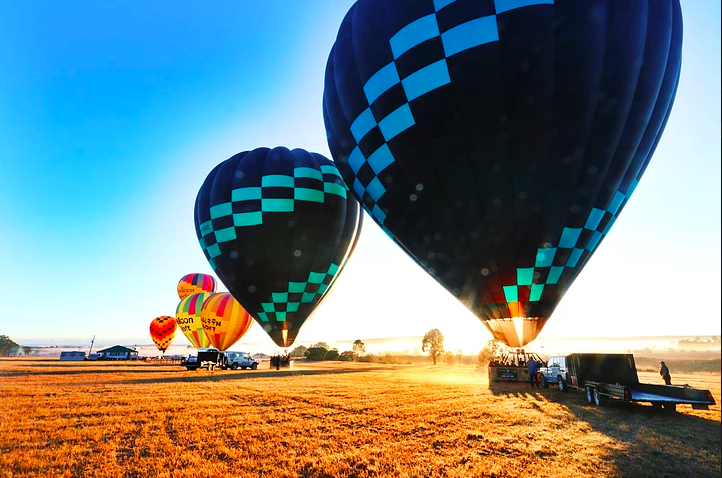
{"x": 664, "y": 372}
{"x": 533, "y": 369}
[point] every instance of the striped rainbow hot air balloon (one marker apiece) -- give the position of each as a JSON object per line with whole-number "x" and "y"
{"x": 196, "y": 283}
{"x": 224, "y": 320}
{"x": 188, "y": 317}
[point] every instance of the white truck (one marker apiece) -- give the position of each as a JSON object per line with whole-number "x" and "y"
{"x": 234, "y": 360}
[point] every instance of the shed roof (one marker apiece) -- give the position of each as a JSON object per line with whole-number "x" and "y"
{"x": 116, "y": 349}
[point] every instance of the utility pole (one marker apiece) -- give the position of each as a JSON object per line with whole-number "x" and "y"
{"x": 91, "y": 345}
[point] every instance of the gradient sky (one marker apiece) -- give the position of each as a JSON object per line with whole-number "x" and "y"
{"x": 111, "y": 115}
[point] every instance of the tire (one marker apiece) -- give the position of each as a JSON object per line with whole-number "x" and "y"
{"x": 192, "y": 369}
{"x": 599, "y": 399}
{"x": 254, "y": 366}
{"x": 234, "y": 366}
{"x": 243, "y": 367}
{"x": 589, "y": 393}
{"x": 561, "y": 384}
{"x": 670, "y": 407}
{"x": 544, "y": 382}
{"x": 211, "y": 367}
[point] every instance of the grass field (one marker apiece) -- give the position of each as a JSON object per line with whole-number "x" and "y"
{"x": 323, "y": 420}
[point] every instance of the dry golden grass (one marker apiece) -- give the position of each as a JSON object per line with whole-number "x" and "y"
{"x": 65, "y": 419}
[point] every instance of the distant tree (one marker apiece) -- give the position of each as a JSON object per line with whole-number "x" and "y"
{"x": 7, "y": 346}
{"x": 449, "y": 357}
{"x": 322, "y": 345}
{"x": 359, "y": 348}
{"x": 316, "y": 353}
{"x": 27, "y": 350}
{"x": 491, "y": 349}
{"x": 459, "y": 354}
{"x": 347, "y": 356}
{"x": 299, "y": 351}
{"x": 433, "y": 343}
{"x": 332, "y": 354}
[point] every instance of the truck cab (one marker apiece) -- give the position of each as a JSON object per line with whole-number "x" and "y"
{"x": 555, "y": 373}
{"x": 234, "y": 360}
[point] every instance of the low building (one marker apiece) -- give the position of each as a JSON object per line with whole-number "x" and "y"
{"x": 72, "y": 355}
{"x": 118, "y": 352}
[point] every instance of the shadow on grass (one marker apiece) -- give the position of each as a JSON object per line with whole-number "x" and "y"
{"x": 220, "y": 376}
{"x": 656, "y": 443}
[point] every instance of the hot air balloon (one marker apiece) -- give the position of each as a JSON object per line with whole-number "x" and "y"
{"x": 224, "y": 320}
{"x": 497, "y": 142}
{"x": 162, "y": 331}
{"x": 196, "y": 283}
{"x": 277, "y": 226}
{"x": 188, "y": 318}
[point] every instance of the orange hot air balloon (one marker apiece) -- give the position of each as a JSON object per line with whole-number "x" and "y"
{"x": 196, "y": 283}
{"x": 162, "y": 331}
{"x": 224, "y": 320}
{"x": 188, "y": 317}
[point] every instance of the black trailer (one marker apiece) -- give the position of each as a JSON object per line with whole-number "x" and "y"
{"x": 209, "y": 358}
{"x": 605, "y": 377}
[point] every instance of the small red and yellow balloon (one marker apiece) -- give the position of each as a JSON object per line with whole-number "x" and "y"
{"x": 188, "y": 317}
{"x": 162, "y": 331}
{"x": 196, "y": 283}
{"x": 224, "y": 320}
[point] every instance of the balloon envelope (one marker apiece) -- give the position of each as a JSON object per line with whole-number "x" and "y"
{"x": 277, "y": 226}
{"x": 497, "y": 142}
{"x": 188, "y": 317}
{"x": 196, "y": 283}
{"x": 224, "y": 320}
{"x": 162, "y": 331}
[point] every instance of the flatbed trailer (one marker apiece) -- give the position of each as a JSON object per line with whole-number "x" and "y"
{"x": 605, "y": 377}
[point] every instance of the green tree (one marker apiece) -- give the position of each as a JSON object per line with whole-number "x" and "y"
{"x": 322, "y": 345}
{"x": 331, "y": 354}
{"x": 359, "y": 348}
{"x": 347, "y": 356}
{"x": 316, "y": 353}
{"x": 449, "y": 357}
{"x": 433, "y": 343}
{"x": 492, "y": 349}
{"x": 27, "y": 350}
{"x": 299, "y": 351}
{"x": 7, "y": 346}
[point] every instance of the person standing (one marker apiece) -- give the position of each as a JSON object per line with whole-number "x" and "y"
{"x": 533, "y": 369}
{"x": 664, "y": 373}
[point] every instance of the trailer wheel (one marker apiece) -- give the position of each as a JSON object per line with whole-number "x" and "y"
{"x": 243, "y": 367}
{"x": 234, "y": 366}
{"x": 544, "y": 382}
{"x": 589, "y": 392}
{"x": 211, "y": 367}
{"x": 561, "y": 384}
{"x": 670, "y": 407}
{"x": 599, "y": 399}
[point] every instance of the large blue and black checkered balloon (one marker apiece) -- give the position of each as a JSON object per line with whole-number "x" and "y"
{"x": 277, "y": 226}
{"x": 496, "y": 141}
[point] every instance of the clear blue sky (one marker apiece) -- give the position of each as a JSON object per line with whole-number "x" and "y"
{"x": 111, "y": 115}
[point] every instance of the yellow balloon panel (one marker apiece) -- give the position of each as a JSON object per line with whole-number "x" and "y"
{"x": 188, "y": 317}
{"x": 224, "y": 320}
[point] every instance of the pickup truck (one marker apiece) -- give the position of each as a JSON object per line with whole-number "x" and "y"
{"x": 605, "y": 377}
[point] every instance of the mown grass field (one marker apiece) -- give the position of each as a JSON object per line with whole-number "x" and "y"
{"x": 323, "y": 420}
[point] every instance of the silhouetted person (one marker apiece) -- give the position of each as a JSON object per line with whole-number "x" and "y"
{"x": 664, "y": 372}
{"x": 533, "y": 369}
